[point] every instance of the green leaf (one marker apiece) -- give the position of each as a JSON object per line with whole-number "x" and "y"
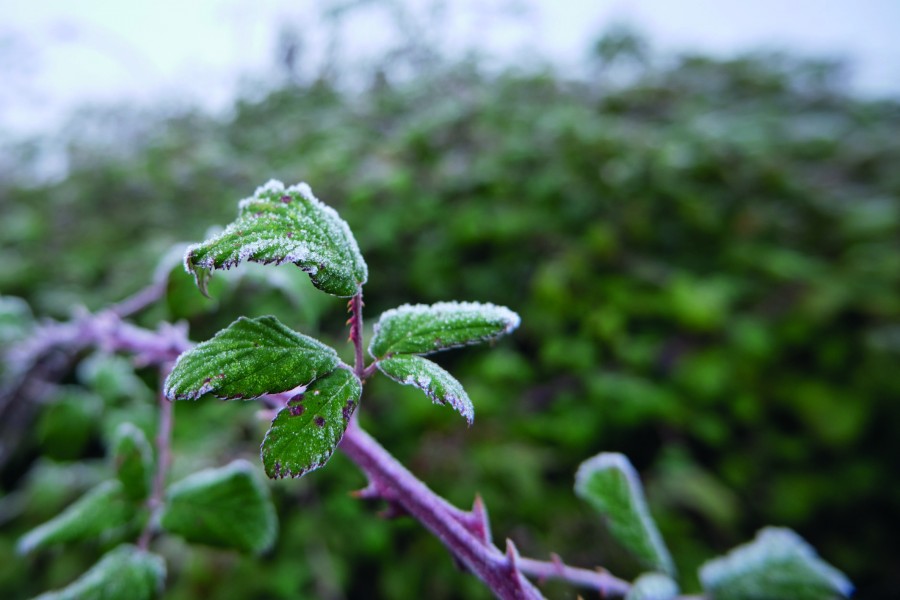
{"x": 778, "y": 563}
{"x": 653, "y": 586}
{"x": 133, "y": 460}
{"x": 227, "y": 507}
{"x": 422, "y": 329}
{"x": 610, "y": 484}
{"x": 104, "y": 510}
{"x": 438, "y": 384}
{"x": 247, "y": 359}
{"x": 279, "y": 225}
{"x": 124, "y": 572}
{"x": 305, "y": 433}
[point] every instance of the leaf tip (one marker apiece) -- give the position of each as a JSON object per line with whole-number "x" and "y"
{"x": 200, "y": 273}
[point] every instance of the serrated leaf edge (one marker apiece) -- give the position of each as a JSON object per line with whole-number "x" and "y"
{"x": 460, "y": 401}
{"x": 511, "y": 319}
{"x": 202, "y": 270}
{"x": 207, "y": 388}
{"x": 280, "y": 472}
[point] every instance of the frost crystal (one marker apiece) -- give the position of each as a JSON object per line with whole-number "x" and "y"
{"x": 439, "y": 385}
{"x": 279, "y": 225}
{"x": 423, "y": 329}
{"x": 609, "y": 482}
{"x": 778, "y": 563}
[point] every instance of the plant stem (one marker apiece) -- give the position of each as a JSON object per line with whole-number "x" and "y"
{"x": 395, "y": 483}
{"x": 601, "y": 581}
{"x": 356, "y": 328}
{"x": 163, "y": 460}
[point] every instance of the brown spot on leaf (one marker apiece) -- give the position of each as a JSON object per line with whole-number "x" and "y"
{"x": 297, "y": 410}
{"x": 286, "y": 199}
{"x": 319, "y": 421}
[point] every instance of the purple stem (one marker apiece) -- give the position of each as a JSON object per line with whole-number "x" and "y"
{"x": 391, "y": 481}
{"x": 163, "y": 460}
{"x": 356, "y": 328}
{"x": 466, "y": 534}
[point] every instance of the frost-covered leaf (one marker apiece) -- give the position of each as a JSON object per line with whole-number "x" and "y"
{"x": 609, "y": 483}
{"x": 653, "y": 586}
{"x": 422, "y": 329}
{"x": 438, "y": 384}
{"x": 305, "y": 433}
{"x": 279, "y": 225}
{"x": 124, "y": 572}
{"x": 778, "y": 563}
{"x": 247, "y": 359}
{"x": 133, "y": 460}
{"x": 104, "y": 509}
{"x": 227, "y": 507}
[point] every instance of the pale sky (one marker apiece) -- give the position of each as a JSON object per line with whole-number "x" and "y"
{"x": 58, "y": 54}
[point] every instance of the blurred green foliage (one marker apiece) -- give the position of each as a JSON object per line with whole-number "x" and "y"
{"x": 705, "y": 254}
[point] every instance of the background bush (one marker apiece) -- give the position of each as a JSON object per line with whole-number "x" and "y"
{"x": 705, "y": 254}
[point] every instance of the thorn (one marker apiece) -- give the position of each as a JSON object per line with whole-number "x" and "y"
{"x": 370, "y": 492}
{"x": 557, "y": 562}
{"x": 480, "y": 519}
{"x": 512, "y": 555}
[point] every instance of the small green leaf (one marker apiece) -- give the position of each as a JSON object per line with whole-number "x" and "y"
{"x": 133, "y": 460}
{"x": 305, "y": 433}
{"x": 653, "y": 586}
{"x": 104, "y": 510}
{"x": 778, "y": 563}
{"x": 227, "y": 507}
{"x": 610, "y": 484}
{"x": 124, "y": 572}
{"x": 279, "y": 225}
{"x": 422, "y": 329}
{"x": 438, "y": 384}
{"x": 247, "y": 359}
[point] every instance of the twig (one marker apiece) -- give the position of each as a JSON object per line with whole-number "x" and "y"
{"x": 396, "y": 484}
{"x": 163, "y": 461}
{"x": 466, "y": 534}
{"x": 356, "y": 326}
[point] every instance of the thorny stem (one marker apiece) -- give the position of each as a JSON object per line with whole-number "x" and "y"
{"x": 163, "y": 460}
{"x": 395, "y": 483}
{"x": 356, "y": 328}
{"x": 466, "y": 534}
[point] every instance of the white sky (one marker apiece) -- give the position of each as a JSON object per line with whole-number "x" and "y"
{"x": 57, "y": 54}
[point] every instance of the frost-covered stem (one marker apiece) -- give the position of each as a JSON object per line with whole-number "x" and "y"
{"x": 140, "y": 300}
{"x": 395, "y": 483}
{"x": 600, "y": 581}
{"x": 356, "y": 328}
{"x": 163, "y": 460}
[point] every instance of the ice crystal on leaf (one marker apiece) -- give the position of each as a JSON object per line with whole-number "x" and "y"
{"x": 423, "y": 329}
{"x": 285, "y": 225}
{"x": 247, "y": 359}
{"x": 777, "y": 564}
{"x": 305, "y": 433}
{"x": 610, "y": 484}
{"x": 438, "y": 384}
